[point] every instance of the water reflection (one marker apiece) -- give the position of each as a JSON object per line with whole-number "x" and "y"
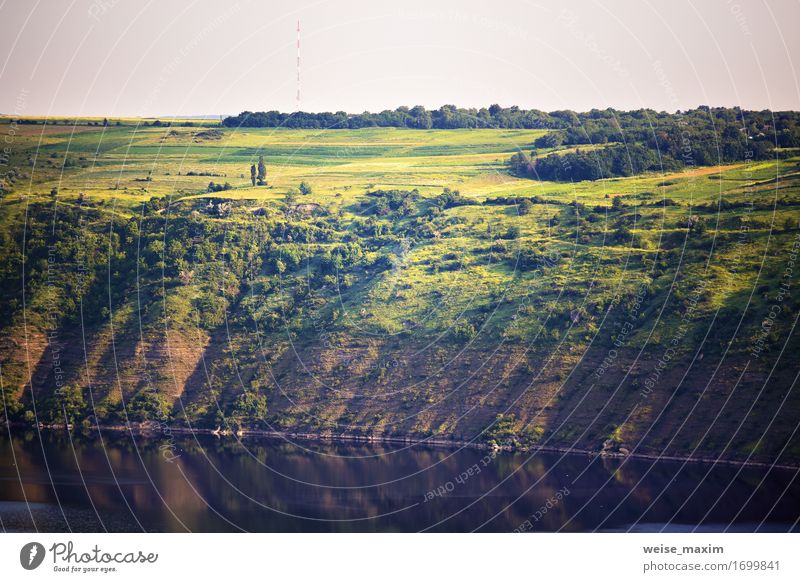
{"x": 58, "y": 482}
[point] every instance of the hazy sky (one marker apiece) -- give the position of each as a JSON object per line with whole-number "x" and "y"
{"x": 124, "y": 57}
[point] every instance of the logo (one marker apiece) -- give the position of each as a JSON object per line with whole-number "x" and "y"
{"x": 31, "y": 555}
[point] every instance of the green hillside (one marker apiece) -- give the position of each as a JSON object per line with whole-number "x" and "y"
{"x": 423, "y": 286}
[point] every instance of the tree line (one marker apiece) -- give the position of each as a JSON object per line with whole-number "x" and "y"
{"x": 417, "y": 117}
{"x": 595, "y": 126}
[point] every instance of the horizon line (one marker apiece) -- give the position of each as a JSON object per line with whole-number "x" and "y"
{"x": 220, "y": 116}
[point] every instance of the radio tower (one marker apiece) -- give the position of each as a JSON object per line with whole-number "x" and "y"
{"x": 297, "y": 99}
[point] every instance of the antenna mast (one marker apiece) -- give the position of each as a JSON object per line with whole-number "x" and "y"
{"x": 297, "y": 99}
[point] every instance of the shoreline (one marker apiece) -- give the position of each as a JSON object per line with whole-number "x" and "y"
{"x": 157, "y": 429}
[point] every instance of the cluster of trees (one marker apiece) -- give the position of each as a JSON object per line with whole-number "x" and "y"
{"x": 617, "y": 160}
{"x": 386, "y": 202}
{"x": 658, "y": 141}
{"x": 404, "y": 203}
{"x": 292, "y": 194}
{"x": 46, "y": 236}
{"x": 452, "y": 198}
{"x": 677, "y": 132}
{"x": 214, "y": 187}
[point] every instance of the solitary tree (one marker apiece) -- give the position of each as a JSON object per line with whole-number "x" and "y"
{"x": 525, "y": 207}
{"x": 253, "y": 174}
{"x": 262, "y": 170}
{"x": 291, "y": 198}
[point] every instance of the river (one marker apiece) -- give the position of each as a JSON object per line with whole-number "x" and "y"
{"x": 55, "y": 482}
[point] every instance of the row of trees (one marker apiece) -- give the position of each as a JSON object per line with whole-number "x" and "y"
{"x": 418, "y": 117}
{"x": 595, "y": 126}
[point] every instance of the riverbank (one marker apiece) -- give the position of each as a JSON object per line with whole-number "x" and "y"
{"x": 155, "y": 429}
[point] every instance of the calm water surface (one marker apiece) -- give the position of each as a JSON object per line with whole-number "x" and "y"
{"x": 57, "y": 482}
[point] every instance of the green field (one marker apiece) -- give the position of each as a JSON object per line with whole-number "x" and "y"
{"x": 419, "y": 289}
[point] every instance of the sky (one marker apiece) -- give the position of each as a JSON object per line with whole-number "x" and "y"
{"x": 181, "y": 57}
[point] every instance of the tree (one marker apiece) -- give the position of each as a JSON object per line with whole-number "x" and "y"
{"x": 522, "y": 164}
{"x": 419, "y": 118}
{"x": 262, "y": 171}
{"x": 549, "y": 140}
{"x": 250, "y": 405}
{"x": 696, "y": 225}
{"x": 70, "y": 402}
{"x": 253, "y": 174}
{"x": 463, "y": 330}
{"x": 291, "y": 197}
{"x": 147, "y": 404}
{"x": 305, "y": 188}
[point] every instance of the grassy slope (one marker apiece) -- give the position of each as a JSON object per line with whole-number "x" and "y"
{"x": 383, "y": 356}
